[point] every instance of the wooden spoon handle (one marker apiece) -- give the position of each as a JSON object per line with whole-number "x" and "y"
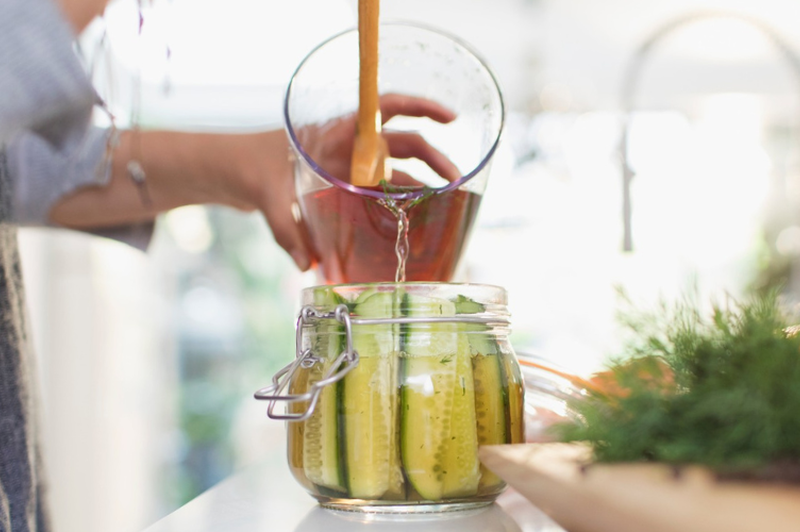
{"x": 370, "y": 151}
{"x": 369, "y": 114}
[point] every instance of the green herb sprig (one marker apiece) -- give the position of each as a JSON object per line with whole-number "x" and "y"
{"x": 720, "y": 390}
{"x": 389, "y": 189}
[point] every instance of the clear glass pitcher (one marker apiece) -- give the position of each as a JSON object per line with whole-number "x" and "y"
{"x": 393, "y": 389}
{"x": 354, "y": 230}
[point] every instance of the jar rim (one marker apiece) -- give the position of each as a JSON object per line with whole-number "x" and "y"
{"x": 485, "y": 293}
{"x": 490, "y": 299}
{"x": 407, "y": 283}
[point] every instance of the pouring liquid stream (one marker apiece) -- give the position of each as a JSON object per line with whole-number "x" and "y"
{"x": 401, "y": 246}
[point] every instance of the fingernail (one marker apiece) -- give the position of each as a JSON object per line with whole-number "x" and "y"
{"x": 301, "y": 259}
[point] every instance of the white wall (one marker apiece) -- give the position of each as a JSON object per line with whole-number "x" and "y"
{"x": 100, "y": 318}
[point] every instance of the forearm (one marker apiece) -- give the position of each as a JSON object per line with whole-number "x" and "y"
{"x": 180, "y": 169}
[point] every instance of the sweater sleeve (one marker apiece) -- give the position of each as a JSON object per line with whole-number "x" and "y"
{"x": 46, "y": 101}
{"x": 41, "y": 174}
{"x": 43, "y": 86}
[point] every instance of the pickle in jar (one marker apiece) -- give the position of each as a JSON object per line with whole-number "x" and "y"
{"x": 405, "y": 424}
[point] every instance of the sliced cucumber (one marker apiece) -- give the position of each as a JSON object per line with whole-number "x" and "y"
{"x": 466, "y": 305}
{"x": 491, "y": 397}
{"x": 368, "y": 406}
{"x": 495, "y": 372}
{"x": 458, "y": 391}
{"x": 490, "y": 401}
{"x": 296, "y": 430}
{"x": 490, "y": 408}
{"x": 515, "y": 410}
{"x": 461, "y": 467}
{"x": 321, "y": 432}
{"x": 438, "y": 440}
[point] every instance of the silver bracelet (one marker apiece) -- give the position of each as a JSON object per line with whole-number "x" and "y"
{"x": 136, "y": 170}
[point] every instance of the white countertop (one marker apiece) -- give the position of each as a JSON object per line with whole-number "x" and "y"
{"x": 267, "y": 498}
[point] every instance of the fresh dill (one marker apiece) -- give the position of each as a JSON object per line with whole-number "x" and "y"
{"x": 722, "y": 390}
{"x": 392, "y": 204}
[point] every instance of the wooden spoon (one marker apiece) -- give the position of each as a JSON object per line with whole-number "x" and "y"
{"x": 370, "y": 151}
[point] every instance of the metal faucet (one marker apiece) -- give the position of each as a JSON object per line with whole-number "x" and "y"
{"x": 633, "y": 74}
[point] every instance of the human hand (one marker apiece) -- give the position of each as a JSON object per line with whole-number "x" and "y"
{"x": 331, "y": 145}
{"x": 270, "y": 175}
{"x": 263, "y": 179}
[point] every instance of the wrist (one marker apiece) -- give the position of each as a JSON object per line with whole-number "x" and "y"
{"x": 179, "y": 168}
{"x": 261, "y": 163}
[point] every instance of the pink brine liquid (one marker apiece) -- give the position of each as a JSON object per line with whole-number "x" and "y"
{"x": 360, "y": 239}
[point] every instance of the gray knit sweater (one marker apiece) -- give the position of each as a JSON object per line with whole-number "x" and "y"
{"x": 47, "y": 149}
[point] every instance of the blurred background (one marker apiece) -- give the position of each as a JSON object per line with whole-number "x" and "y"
{"x": 149, "y": 360}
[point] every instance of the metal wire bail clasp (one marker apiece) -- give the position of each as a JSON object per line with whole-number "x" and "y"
{"x": 343, "y": 364}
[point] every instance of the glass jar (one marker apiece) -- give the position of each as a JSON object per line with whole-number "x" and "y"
{"x": 549, "y": 392}
{"x": 393, "y": 389}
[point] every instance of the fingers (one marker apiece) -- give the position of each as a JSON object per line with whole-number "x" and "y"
{"x": 288, "y": 232}
{"x": 271, "y": 188}
{"x": 283, "y": 217}
{"x": 412, "y": 145}
{"x": 399, "y": 104}
{"x": 408, "y": 145}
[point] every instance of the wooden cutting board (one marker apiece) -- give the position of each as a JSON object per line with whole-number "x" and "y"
{"x": 584, "y": 497}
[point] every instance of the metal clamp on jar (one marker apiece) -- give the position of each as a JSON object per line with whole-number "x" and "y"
{"x": 393, "y": 388}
